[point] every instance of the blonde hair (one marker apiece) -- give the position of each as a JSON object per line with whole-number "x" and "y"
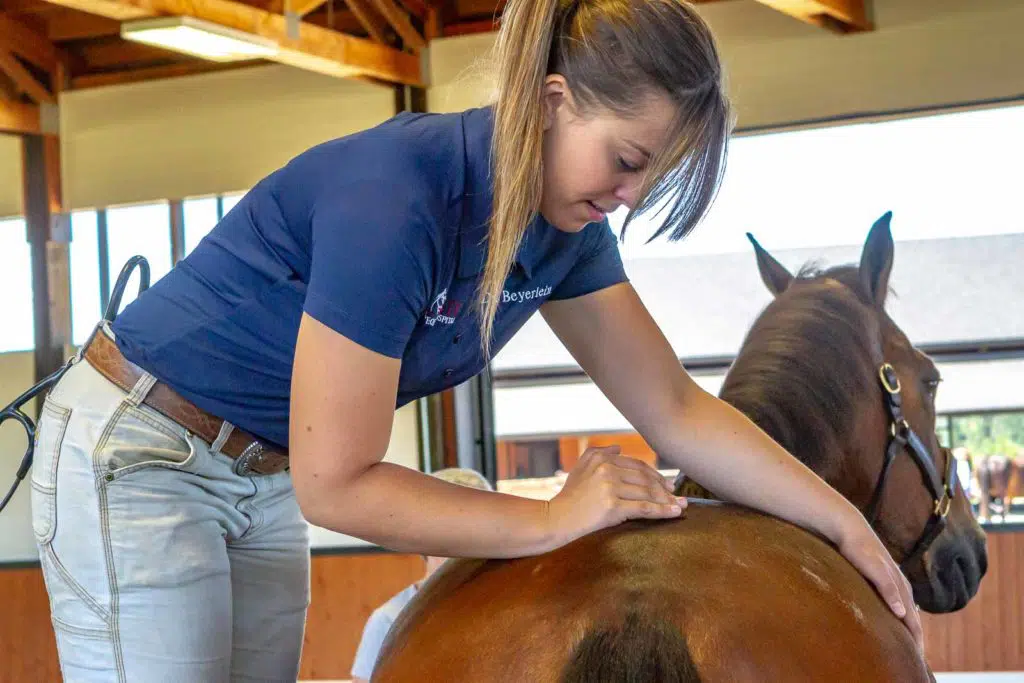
{"x": 611, "y": 53}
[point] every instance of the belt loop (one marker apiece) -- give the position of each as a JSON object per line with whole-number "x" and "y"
{"x": 222, "y": 438}
{"x": 141, "y": 389}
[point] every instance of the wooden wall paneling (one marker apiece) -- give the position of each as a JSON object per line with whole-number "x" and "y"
{"x": 29, "y": 651}
{"x": 345, "y": 589}
{"x": 987, "y": 634}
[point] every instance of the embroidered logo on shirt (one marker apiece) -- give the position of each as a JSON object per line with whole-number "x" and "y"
{"x": 519, "y": 297}
{"x": 442, "y": 310}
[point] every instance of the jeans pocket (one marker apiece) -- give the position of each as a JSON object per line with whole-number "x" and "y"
{"x": 53, "y": 424}
{"x": 139, "y": 438}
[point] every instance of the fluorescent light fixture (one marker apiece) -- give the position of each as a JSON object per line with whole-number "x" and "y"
{"x": 200, "y": 38}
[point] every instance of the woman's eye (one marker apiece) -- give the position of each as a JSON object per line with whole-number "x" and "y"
{"x": 626, "y": 166}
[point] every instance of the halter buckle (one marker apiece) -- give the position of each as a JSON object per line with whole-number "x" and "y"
{"x": 883, "y": 374}
{"x": 899, "y": 430}
{"x": 942, "y": 506}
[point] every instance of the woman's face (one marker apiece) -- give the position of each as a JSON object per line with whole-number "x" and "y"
{"x": 595, "y": 163}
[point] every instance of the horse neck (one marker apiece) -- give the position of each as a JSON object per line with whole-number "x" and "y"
{"x": 809, "y": 393}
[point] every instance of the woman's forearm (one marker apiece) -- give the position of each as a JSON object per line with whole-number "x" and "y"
{"x": 407, "y": 511}
{"x": 724, "y": 451}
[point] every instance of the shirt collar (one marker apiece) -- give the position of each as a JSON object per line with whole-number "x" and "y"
{"x": 478, "y": 204}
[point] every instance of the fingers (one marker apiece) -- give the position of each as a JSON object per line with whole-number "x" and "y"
{"x": 888, "y": 587}
{"x": 913, "y": 619}
{"x": 645, "y": 509}
{"x": 643, "y": 469}
{"x": 896, "y": 591}
{"x": 595, "y": 458}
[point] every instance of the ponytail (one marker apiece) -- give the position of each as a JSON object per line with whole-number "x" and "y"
{"x": 522, "y": 50}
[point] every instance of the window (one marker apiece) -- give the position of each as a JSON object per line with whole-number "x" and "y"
{"x": 17, "y": 333}
{"x": 821, "y": 188}
{"x": 200, "y": 217}
{"x": 85, "y": 275}
{"x": 143, "y": 229}
{"x": 229, "y": 201}
{"x": 812, "y": 195}
{"x": 794, "y": 192}
{"x": 202, "y": 214}
{"x": 989, "y": 448}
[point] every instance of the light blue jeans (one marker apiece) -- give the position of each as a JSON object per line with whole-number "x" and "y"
{"x": 161, "y": 563}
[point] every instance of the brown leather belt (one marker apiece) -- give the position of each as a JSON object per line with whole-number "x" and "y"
{"x": 251, "y": 454}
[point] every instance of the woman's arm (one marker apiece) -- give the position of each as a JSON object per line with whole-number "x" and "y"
{"x": 615, "y": 340}
{"x": 342, "y": 409}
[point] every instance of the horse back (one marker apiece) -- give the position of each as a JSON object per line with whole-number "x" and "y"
{"x": 725, "y": 594}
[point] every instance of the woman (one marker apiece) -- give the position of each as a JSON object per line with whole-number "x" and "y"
{"x": 368, "y": 272}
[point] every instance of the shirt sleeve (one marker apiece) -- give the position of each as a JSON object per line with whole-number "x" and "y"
{"x": 374, "y": 252}
{"x": 374, "y": 634}
{"x": 599, "y": 264}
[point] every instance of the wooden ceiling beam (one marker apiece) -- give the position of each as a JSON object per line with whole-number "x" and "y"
{"x": 375, "y": 25}
{"x": 302, "y": 7}
{"x": 473, "y": 9}
{"x": 417, "y": 8}
{"x": 153, "y": 73}
{"x": 839, "y": 16}
{"x": 400, "y": 21}
{"x": 119, "y": 55}
{"x": 316, "y": 49}
{"x": 30, "y": 45}
{"x": 18, "y": 118}
{"x": 8, "y": 91}
{"x": 342, "y": 21}
{"x": 23, "y": 79}
{"x": 70, "y": 25}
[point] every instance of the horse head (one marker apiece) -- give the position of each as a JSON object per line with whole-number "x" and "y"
{"x": 829, "y": 375}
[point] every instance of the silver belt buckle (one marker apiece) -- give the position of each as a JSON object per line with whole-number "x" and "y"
{"x": 251, "y": 456}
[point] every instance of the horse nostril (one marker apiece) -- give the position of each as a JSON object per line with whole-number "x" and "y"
{"x": 963, "y": 566}
{"x": 982, "y": 563}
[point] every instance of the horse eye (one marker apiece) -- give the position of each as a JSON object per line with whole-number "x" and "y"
{"x": 933, "y": 385}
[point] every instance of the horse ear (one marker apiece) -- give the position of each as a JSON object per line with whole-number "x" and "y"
{"x": 774, "y": 275}
{"x": 876, "y": 260}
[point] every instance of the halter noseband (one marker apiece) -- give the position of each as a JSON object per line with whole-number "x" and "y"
{"x": 903, "y": 439}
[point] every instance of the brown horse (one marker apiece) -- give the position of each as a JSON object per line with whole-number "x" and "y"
{"x": 998, "y": 478}
{"x": 727, "y": 593}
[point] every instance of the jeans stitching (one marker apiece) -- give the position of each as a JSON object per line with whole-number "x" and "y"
{"x": 155, "y": 424}
{"x": 49, "y": 489}
{"x": 94, "y": 633}
{"x": 245, "y": 502}
{"x": 89, "y": 601}
{"x": 122, "y": 409}
{"x": 108, "y": 551}
{"x": 63, "y": 416}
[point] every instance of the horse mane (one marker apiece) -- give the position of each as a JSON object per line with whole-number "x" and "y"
{"x": 803, "y": 365}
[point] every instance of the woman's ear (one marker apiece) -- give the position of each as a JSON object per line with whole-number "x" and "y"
{"x": 555, "y": 95}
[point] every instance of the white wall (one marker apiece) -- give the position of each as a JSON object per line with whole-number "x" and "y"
{"x": 781, "y": 70}
{"x": 217, "y": 132}
{"x": 16, "y": 541}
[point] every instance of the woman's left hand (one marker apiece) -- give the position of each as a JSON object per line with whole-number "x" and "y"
{"x": 862, "y": 547}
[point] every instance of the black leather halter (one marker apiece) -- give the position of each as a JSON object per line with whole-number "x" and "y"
{"x": 903, "y": 439}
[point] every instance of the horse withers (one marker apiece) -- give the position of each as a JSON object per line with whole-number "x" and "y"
{"x": 727, "y": 593}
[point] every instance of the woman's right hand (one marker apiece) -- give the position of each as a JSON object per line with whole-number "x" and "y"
{"x": 606, "y": 488}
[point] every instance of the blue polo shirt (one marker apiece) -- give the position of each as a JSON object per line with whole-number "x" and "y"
{"x": 381, "y": 236}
